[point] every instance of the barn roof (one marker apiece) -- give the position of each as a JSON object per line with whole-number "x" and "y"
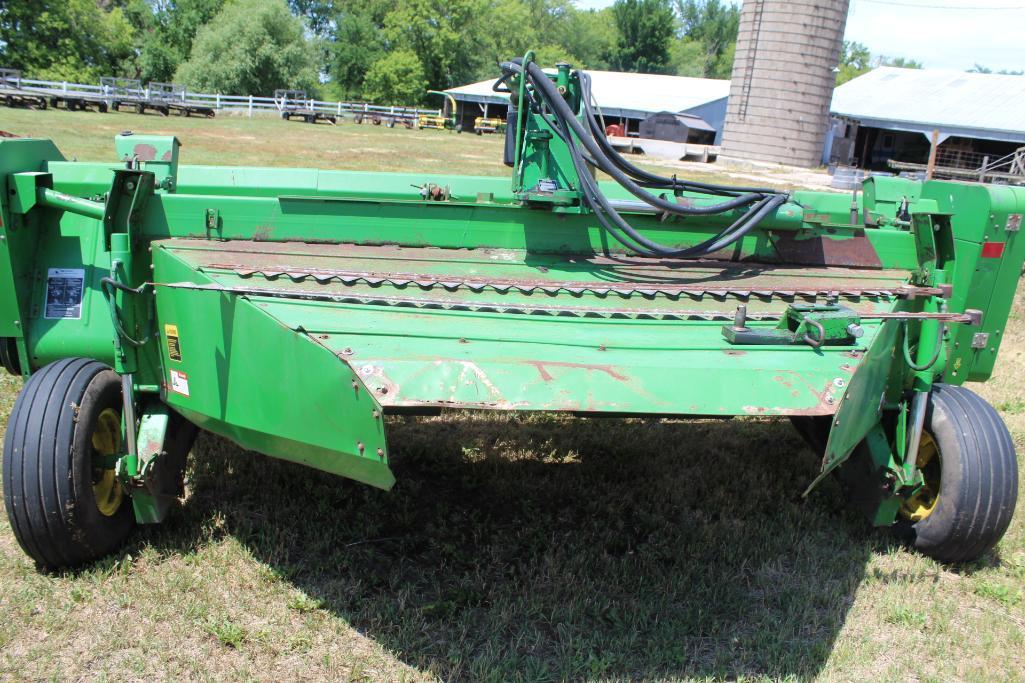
{"x": 986, "y": 106}
{"x": 625, "y": 94}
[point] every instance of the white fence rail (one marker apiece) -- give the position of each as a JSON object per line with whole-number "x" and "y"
{"x": 237, "y": 103}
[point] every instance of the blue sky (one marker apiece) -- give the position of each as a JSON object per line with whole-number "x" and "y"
{"x": 945, "y": 34}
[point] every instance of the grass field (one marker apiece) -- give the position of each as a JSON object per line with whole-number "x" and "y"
{"x": 512, "y": 548}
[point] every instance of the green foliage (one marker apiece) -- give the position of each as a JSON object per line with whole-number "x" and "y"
{"x": 459, "y": 41}
{"x": 357, "y": 44}
{"x": 687, "y": 58}
{"x": 255, "y": 46}
{"x": 250, "y": 47}
{"x": 591, "y": 36}
{"x": 317, "y": 13}
{"x": 980, "y": 69}
{"x": 227, "y": 632}
{"x": 900, "y": 62}
{"x": 75, "y": 40}
{"x": 396, "y": 78}
{"x": 708, "y": 38}
{"x": 453, "y": 39}
{"x": 856, "y": 59}
{"x": 175, "y": 24}
{"x": 645, "y": 27}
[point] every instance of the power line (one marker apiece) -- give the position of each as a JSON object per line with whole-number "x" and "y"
{"x": 893, "y": 3}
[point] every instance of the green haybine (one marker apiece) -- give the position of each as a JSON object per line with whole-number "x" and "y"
{"x": 292, "y": 310}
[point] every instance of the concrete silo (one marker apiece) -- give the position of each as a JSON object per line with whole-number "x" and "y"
{"x": 783, "y": 78}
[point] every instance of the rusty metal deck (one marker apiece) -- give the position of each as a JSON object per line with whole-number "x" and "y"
{"x": 510, "y": 280}
{"x": 506, "y": 329}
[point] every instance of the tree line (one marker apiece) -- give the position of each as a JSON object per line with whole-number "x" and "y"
{"x": 389, "y": 51}
{"x": 380, "y": 50}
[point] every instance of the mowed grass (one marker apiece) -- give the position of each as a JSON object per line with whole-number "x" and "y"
{"x": 514, "y": 547}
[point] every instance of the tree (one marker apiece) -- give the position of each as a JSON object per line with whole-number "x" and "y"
{"x": 357, "y": 44}
{"x": 590, "y": 35}
{"x": 317, "y": 13}
{"x": 165, "y": 30}
{"x": 451, "y": 38}
{"x": 396, "y": 78}
{"x": 645, "y": 27}
{"x": 709, "y": 30}
{"x": 75, "y": 40}
{"x": 855, "y": 60}
{"x": 980, "y": 69}
{"x": 899, "y": 62}
{"x": 250, "y": 47}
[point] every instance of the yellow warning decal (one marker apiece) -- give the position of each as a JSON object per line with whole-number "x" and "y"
{"x": 174, "y": 348}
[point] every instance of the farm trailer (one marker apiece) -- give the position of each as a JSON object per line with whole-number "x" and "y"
{"x": 295, "y": 105}
{"x": 291, "y": 310}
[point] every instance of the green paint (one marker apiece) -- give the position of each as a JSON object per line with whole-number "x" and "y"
{"x": 277, "y": 350}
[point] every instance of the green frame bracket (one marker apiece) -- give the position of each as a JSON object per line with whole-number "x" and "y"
{"x": 814, "y": 325}
{"x": 129, "y": 193}
{"x": 158, "y": 485}
{"x": 158, "y": 154}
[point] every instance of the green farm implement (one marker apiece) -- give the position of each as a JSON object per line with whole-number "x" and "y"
{"x": 292, "y": 311}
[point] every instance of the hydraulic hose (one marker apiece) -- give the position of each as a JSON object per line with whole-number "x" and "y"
{"x": 645, "y": 176}
{"x": 632, "y": 239}
{"x": 600, "y": 154}
{"x": 562, "y": 112}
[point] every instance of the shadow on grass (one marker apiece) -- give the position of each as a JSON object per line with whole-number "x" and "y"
{"x": 541, "y": 547}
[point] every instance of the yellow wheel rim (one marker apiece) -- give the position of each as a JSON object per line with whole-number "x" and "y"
{"x": 106, "y": 442}
{"x": 921, "y": 505}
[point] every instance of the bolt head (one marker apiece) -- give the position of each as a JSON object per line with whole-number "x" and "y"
{"x": 856, "y": 331}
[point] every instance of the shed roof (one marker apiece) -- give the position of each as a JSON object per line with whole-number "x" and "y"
{"x": 987, "y": 106}
{"x": 625, "y": 94}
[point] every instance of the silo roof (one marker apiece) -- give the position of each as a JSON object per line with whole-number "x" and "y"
{"x": 625, "y": 94}
{"x": 987, "y": 106}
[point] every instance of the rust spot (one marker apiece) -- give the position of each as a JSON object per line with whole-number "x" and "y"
{"x": 807, "y": 249}
{"x": 731, "y": 352}
{"x": 812, "y": 217}
{"x": 783, "y": 380}
{"x": 542, "y": 369}
{"x": 262, "y": 233}
{"x": 145, "y": 152}
{"x": 167, "y": 156}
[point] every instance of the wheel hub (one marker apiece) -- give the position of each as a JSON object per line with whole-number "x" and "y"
{"x": 106, "y": 442}
{"x": 920, "y": 505}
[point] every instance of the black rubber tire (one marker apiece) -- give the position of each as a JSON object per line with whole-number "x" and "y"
{"x": 47, "y": 464}
{"x": 9, "y": 358}
{"x": 978, "y": 481}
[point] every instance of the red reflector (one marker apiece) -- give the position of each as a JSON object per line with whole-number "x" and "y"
{"x": 992, "y": 250}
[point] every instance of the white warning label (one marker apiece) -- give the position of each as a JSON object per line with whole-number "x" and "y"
{"x": 179, "y": 382}
{"x": 64, "y": 288}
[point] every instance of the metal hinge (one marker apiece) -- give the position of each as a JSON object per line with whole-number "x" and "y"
{"x": 213, "y": 222}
